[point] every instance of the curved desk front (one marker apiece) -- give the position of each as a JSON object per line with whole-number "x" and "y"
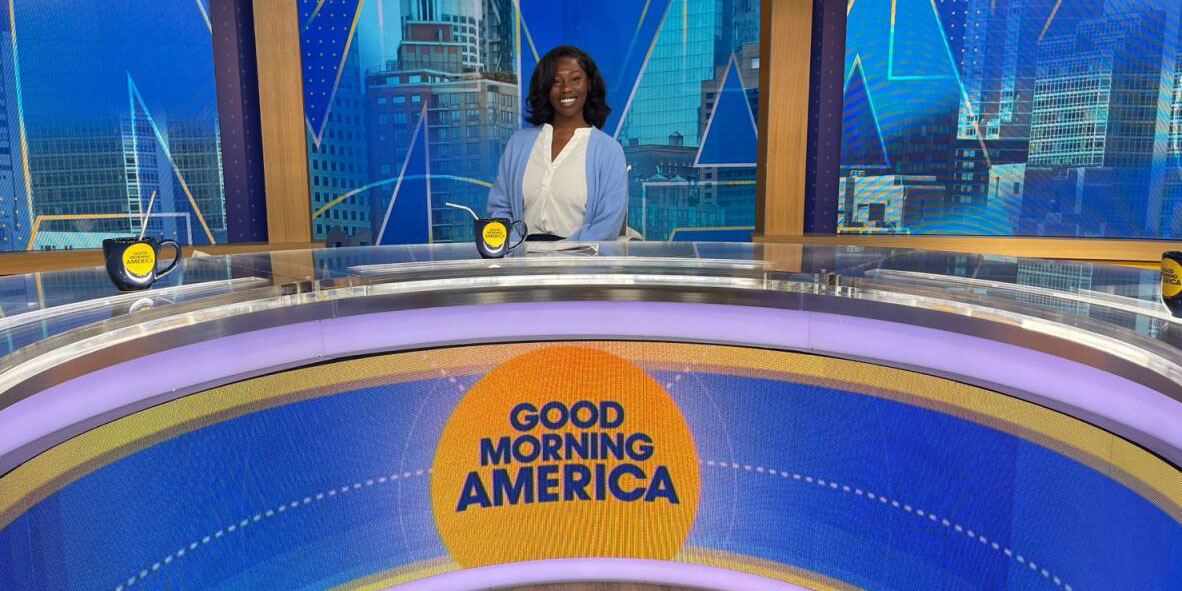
{"x": 716, "y": 416}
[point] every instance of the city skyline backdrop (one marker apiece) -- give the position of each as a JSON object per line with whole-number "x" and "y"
{"x": 102, "y": 105}
{"x": 409, "y": 104}
{"x": 998, "y": 117}
{"x": 1012, "y": 117}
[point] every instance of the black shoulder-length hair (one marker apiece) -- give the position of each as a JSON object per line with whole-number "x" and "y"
{"x": 595, "y": 109}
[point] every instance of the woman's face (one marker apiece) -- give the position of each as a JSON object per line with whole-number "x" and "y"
{"x": 568, "y": 93}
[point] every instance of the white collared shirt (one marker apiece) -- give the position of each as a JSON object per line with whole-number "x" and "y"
{"x": 555, "y": 191}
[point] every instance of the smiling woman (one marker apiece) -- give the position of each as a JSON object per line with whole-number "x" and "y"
{"x": 563, "y": 176}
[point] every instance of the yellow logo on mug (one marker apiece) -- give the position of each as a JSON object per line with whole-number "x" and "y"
{"x": 494, "y": 235}
{"x": 562, "y": 452}
{"x": 1171, "y": 278}
{"x": 139, "y": 259}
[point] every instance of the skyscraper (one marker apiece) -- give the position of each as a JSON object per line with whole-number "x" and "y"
{"x": 15, "y": 208}
{"x": 1176, "y": 118}
{"x": 661, "y": 177}
{"x": 1096, "y": 93}
{"x": 196, "y": 149}
{"x": 79, "y": 169}
{"x": 737, "y": 24}
{"x": 744, "y": 23}
{"x": 470, "y": 116}
{"x": 340, "y": 162}
{"x": 667, "y": 99}
{"x": 497, "y": 36}
{"x": 183, "y": 161}
{"x": 146, "y": 169}
{"x": 464, "y": 19}
{"x": 998, "y": 63}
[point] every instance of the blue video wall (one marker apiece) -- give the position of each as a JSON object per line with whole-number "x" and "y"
{"x": 409, "y": 104}
{"x": 376, "y": 471}
{"x": 102, "y": 106}
{"x": 1012, "y": 117}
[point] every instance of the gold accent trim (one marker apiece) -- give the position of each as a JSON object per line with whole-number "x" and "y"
{"x": 403, "y": 574}
{"x": 1149, "y": 476}
{"x": 767, "y": 569}
{"x": 36, "y": 479}
{"x": 760, "y": 567}
{"x": 1125, "y": 462}
{"x": 1051, "y": 18}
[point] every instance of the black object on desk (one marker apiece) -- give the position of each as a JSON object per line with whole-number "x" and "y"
{"x": 492, "y": 236}
{"x": 132, "y": 262}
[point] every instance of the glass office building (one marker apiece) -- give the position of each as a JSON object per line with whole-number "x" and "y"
{"x": 668, "y": 94}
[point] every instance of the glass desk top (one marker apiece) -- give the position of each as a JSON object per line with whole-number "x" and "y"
{"x": 1107, "y": 307}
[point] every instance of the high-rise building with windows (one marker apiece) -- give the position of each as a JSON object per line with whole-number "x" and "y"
{"x": 94, "y": 181}
{"x": 196, "y": 150}
{"x": 78, "y": 169}
{"x": 1176, "y": 116}
{"x": 497, "y": 37}
{"x": 146, "y": 168}
{"x": 470, "y": 117}
{"x": 747, "y": 60}
{"x": 183, "y": 166}
{"x": 744, "y": 23}
{"x": 1096, "y": 93}
{"x": 997, "y": 65}
{"x": 660, "y": 177}
{"x": 464, "y": 20}
{"x": 737, "y": 24}
{"x": 668, "y": 99}
{"x": 339, "y": 163}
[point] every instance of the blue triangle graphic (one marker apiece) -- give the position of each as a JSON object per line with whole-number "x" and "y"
{"x": 617, "y": 39}
{"x": 861, "y": 139}
{"x": 917, "y": 48}
{"x": 730, "y": 138}
{"x": 169, "y": 184}
{"x": 325, "y": 30}
{"x": 408, "y": 216}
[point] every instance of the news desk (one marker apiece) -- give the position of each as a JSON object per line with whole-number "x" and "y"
{"x": 708, "y": 415}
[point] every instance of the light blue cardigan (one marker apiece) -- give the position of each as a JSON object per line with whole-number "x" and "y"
{"x": 607, "y": 184}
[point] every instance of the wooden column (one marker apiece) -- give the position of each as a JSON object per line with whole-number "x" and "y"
{"x": 784, "y": 48}
{"x": 281, "y": 107}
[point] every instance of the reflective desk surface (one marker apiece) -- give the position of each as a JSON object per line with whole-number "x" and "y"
{"x": 1091, "y": 343}
{"x": 58, "y": 326}
{"x": 1115, "y": 310}
{"x": 1119, "y": 302}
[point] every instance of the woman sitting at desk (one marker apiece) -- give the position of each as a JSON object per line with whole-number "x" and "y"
{"x": 563, "y": 177}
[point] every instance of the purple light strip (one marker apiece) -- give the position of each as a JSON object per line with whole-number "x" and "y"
{"x": 573, "y": 570}
{"x": 1130, "y": 409}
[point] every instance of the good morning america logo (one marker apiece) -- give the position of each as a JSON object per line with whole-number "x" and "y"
{"x": 578, "y": 452}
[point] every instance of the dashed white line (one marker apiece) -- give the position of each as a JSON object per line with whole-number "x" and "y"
{"x": 908, "y": 508}
{"x": 304, "y": 500}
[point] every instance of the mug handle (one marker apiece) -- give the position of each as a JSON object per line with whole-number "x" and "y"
{"x": 524, "y": 233}
{"x": 176, "y": 259}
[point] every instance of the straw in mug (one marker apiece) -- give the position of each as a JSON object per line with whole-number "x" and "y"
{"x": 467, "y": 209}
{"x": 147, "y": 214}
